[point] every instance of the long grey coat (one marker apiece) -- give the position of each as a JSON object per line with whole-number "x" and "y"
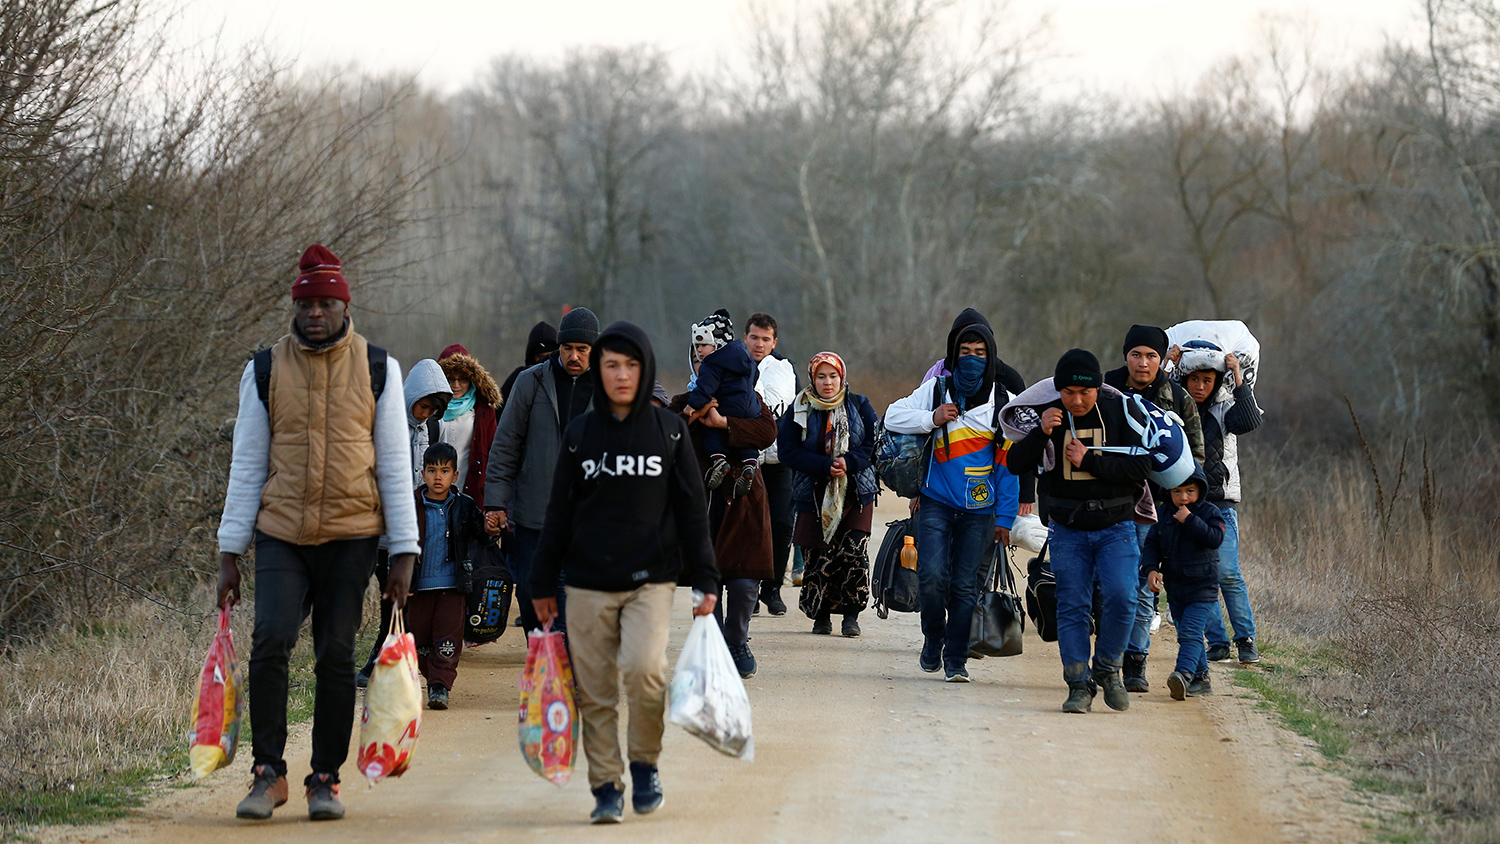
{"x": 524, "y": 454}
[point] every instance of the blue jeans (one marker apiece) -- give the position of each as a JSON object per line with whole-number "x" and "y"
{"x": 520, "y": 568}
{"x": 1079, "y": 557}
{"x": 1232, "y": 587}
{"x": 1145, "y": 607}
{"x": 1192, "y": 657}
{"x": 950, "y": 550}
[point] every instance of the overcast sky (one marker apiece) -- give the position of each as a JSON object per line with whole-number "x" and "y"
{"x": 1135, "y": 47}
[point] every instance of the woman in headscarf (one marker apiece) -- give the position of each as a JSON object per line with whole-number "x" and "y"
{"x": 828, "y": 440}
{"x": 470, "y": 420}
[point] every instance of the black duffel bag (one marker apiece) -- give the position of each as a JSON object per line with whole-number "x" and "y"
{"x": 1041, "y": 595}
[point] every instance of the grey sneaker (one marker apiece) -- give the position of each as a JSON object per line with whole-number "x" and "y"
{"x": 268, "y": 790}
{"x": 1218, "y": 653}
{"x": 745, "y": 481}
{"x": 718, "y": 472}
{"x": 1115, "y": 696}
{"x": 437, "y": 696}
{"x": 1135, "y": 673}
{"x": 609, "y": 804}
{"x": 1248, "y": 653}
{"x": 1080, "y": 698}
{"x": 323, "y": 798}
{"x": 645, "y": 788}
{"x": 1200, "y": 686}
{"x": 1177, "y": 684}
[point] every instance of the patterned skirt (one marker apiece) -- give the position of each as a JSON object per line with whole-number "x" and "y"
{"x": 836, "y": 577}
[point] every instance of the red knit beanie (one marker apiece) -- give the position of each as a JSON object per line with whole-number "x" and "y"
{"x": 455, "y": 349}
{"x": 320, "y": 276}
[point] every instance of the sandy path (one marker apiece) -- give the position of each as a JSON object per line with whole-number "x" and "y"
{"x": 852, "y": 743}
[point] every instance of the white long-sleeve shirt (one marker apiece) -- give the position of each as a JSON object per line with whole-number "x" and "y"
{"x": 251, "y": 464}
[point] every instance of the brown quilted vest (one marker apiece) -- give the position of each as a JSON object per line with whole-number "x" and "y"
{"x": 322, "y": 484}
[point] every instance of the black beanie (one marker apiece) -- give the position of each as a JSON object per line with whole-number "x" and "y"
{"x": 1077, "y": 368}
{"x": 578, "y": 326}
{"x": 1146, "y": 335}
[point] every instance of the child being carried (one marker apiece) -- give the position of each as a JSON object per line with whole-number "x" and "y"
{"x": 725, "y": 374}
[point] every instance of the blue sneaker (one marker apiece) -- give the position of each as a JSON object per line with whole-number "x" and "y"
{"x": 932, "y": 656}
{"x": 645, "y": 788}
{"x": 609, "y": 804}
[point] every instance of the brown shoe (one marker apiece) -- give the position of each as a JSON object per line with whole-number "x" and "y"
{"x": 267, "y": 791}
{"x": 323, "y": 798}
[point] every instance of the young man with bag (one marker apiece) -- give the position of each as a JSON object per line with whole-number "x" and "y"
{"x": 1145, "y": 351}
{"x": 627, "y": 514}
{"x": 1090, "y": 498}
{"x": 777, "y": 385}
{"x": 321, "y": 468}
{"x": 968, "y": 499}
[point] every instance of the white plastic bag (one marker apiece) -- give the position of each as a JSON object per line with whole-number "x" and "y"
{"x": 708, "y": 697}
{"x": 1028, "y": 533}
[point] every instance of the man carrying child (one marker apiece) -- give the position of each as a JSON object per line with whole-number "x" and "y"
{"x": 627, "y": 514}
{"x": 723, "y": 372}
{"x": 452, "y": 530}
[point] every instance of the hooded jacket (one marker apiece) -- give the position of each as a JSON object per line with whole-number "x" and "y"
{"x": 1223, "y": 422}
{"x": 1008, "y": 377}
{"x": 1187, "y": 553}
{"x": 627, "y": 505}
{"x": 425, "y": 379}
{"x": 484, "y": 421}
{"x": 541, "y": 341}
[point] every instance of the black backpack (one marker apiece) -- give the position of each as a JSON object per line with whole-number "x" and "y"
{"x": 263, "y": 374}
{"x": 892, "y": 586}
{"x": 491, "y": 588}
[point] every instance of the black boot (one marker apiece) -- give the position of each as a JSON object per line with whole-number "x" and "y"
{"x": 1080, "y": 698}
{"x": 771, "y": 597}
{"x": 1115, "y": 696}
{"x": 1135, "y": 673}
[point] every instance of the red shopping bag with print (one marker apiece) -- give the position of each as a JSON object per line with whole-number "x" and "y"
{"x": 217, "y": 705}
{"x": 548, "y": 719}
{"x": 392, "y": 717}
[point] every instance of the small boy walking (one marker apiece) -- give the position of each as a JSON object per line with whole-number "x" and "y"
{"x": 1182, "y": 549}
{"x": 723, "y": 370}
{"x": 451, "y": 530}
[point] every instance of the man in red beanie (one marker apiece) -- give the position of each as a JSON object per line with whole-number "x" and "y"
{"x": 321, "y": 468}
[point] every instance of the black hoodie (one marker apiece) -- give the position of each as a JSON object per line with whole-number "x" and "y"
{"x": 627, "y": 504}
{"x": 999, "y": 370}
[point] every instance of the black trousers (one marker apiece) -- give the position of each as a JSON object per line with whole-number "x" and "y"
{"x": 328, "y": 580}
{"x": 778, "y": 481}
{"x": 382, "y": 576}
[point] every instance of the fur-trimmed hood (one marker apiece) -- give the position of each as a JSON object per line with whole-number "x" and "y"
{"x": 464, "y": 366}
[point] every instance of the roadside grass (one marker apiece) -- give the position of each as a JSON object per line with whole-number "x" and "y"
{"x": 94, "y": 719}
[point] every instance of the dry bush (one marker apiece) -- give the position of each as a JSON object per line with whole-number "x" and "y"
{"x": 1381, "y": 564}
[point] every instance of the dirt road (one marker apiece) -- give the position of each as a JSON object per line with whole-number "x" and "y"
{"x": 853, "y": 743}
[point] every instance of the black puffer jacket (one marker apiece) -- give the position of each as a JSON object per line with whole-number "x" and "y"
{"x": 1187, "y": 553}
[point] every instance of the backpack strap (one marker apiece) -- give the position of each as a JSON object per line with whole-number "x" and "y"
{"x": 262, "y": 362}
{"x": 378, "y": 363}
{"x": 377, "y": 369}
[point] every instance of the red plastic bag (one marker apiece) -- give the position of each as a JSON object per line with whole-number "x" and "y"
{"x": 392, "y": 717}
{"x": 217, "y": 706}
{"x": 548, "y": 722}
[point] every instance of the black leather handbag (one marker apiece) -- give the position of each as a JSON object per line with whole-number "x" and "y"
{"x": 999, "y": 619}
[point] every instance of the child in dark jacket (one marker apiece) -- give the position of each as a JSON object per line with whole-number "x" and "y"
{"x": 451, "y": 529}
{"x": 1182, "y": 549}
{"x": 725, "y": 371}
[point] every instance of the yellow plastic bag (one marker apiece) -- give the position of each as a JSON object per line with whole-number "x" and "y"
{"x": 217, "y": 705}
{"x": 392, "y": 717}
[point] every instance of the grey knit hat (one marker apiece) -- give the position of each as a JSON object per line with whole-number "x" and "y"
{"x": 578, "y": 326}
